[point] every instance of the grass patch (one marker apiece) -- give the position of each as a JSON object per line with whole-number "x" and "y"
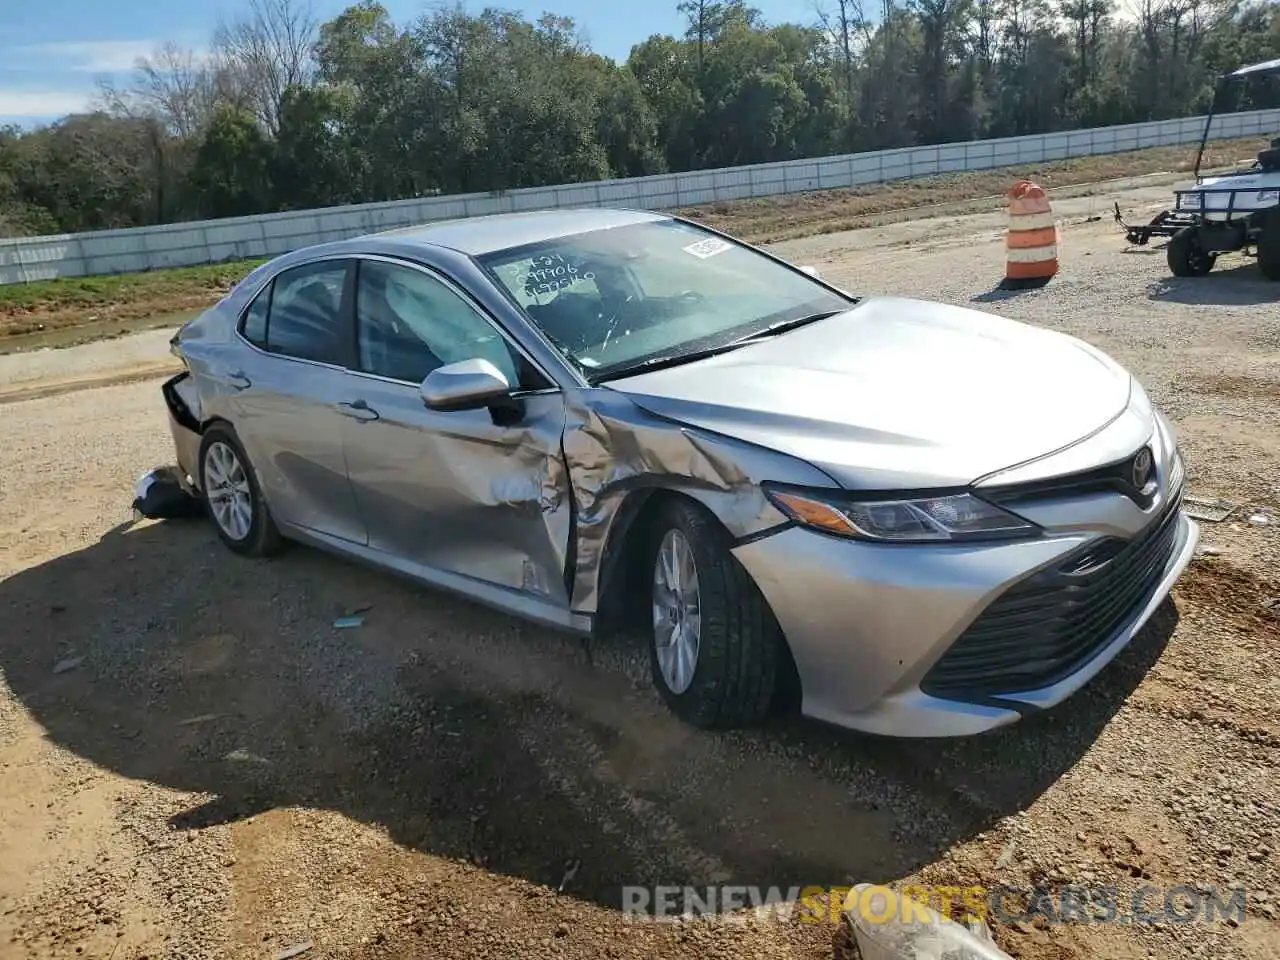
{"x": 89, "y": 301}
{"x": 74, "y": 301}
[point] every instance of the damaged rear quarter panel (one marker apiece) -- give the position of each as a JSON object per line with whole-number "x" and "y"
{"x": 614, "y": 448}
{"x": 206, "y": 345}
{"x": 182, "y": 400}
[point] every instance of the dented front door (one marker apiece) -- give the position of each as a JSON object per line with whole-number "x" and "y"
{"x": 457, "y": 492}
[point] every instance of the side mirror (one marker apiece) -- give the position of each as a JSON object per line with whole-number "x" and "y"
{"x": 465, "y": 385}
{"x": 811, "y": 271}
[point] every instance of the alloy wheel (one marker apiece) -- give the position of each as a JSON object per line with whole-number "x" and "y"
{"x": 227, "y": 490}
{"x": 677, "y": 611}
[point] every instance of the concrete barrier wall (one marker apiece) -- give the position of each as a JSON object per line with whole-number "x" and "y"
{"x": 186, "y": 244}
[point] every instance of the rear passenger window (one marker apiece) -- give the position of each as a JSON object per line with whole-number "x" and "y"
{"x": 305, "y": 318}
{"x": 255, "y": 318}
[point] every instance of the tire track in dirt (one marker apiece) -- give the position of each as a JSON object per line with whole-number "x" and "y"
{"x": 54, "y": 388}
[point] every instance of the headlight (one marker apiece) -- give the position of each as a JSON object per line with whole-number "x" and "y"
{"x": 952, "y": 517}
{"x": 1178, "y": 472}
{"x": 1188, "y": 201}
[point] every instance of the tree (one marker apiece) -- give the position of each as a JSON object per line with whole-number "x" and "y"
{"x": 173, "y": 86}
{"x": 703, "y": 15}
{"x": 311, "y": 164}
{"x": 91, "y": 172}
{"x": 288, "y": 113}
{"x": 265, "y": 53}
{"x": 230, "y": 176}
{"x": 942, "y": 25}
{"x": 384, "y": 104}
{"x": 844, "y": 23}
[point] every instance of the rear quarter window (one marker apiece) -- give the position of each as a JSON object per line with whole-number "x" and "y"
{"x": 254, "y": 324}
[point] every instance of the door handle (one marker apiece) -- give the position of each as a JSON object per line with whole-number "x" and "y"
{"x": 358, "y": 410}
{"x": 237, "y": 380}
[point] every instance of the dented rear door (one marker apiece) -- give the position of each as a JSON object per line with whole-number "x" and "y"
{"x": 458, "y": 492}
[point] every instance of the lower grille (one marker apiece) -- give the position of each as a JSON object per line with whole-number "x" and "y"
{"x": 1046, "y": 627}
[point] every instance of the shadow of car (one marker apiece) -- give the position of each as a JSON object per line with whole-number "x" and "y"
{"x": 469, "y": 734}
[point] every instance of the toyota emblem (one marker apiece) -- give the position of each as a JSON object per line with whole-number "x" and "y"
{"x": 1142, "y": 464}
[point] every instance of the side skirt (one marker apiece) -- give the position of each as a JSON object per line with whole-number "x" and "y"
{"x": 523, "y": 605}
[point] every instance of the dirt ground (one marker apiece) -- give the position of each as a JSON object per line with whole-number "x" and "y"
{"x": 194, "y": 763}
{"x": 775, "y": 219}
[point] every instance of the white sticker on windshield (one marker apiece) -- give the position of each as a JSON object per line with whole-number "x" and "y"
{"x": 707, "y": 248}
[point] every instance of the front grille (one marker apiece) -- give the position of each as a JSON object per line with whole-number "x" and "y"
{"x": 1047, "y": 626}
{"x": 1112, "y": 478}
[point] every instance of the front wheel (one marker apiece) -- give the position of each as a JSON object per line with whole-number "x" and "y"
{"x": 1187, "y": 258}
{"x": 715, "y": 646}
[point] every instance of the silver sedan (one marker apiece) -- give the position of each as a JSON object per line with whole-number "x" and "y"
{"x": 934, "y": 520}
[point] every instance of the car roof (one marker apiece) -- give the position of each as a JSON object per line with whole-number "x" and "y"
{"x": 477, "y": 236}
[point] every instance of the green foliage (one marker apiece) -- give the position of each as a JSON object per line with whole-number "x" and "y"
{"x": 363, "y": 109}
{"x": 231, "y": 173}
{"x": 124, "y": 288}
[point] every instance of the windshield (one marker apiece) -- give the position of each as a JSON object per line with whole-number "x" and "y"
{"x": 612, "y": 299}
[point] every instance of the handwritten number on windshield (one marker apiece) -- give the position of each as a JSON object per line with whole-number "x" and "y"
{"x": 550, "y": 273}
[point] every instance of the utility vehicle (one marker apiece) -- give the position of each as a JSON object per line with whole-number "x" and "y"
{"x": 1239, "y": 210}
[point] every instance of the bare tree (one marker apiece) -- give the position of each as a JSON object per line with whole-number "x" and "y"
{"x": 846, "y": 25}
{"x": 986, "y": 18}
{"x": 266, "y": 52}
{"x": 173, "y": 85}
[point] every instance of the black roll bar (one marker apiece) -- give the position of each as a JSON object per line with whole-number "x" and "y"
{"x": 1266, "y": 68}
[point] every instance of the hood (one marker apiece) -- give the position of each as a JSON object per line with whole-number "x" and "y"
{"x": 898, "y": 394}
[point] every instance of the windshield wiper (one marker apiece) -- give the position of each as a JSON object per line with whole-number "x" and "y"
{"x": 666, "y": 360}
{"x": 674, "y": 359}
{"x": 782, "y": 326}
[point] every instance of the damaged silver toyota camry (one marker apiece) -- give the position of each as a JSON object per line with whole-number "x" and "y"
{"x": 930, "y": 520}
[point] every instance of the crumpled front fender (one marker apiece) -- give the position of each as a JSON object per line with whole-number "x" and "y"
{"x": 615, "y": 449}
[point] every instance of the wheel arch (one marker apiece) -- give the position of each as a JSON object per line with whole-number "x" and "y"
{"x": 202, "y": 428}
{"x": 208, "y": 422}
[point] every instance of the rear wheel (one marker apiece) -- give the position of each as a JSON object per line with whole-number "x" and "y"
{"x": 232, "y": 495}
{"x": 715, "y": 646}
{"x": 1187, "y": 258}
{"x": 1269, "y": 248}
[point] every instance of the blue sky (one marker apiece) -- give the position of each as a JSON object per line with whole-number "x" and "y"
{"x": 51, "y": 57}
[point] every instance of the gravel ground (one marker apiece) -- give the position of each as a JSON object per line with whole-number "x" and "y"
{"x": 50, "y": 372}
{"x": 224, "y": 774}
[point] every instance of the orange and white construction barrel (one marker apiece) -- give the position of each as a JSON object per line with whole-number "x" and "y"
{"x": 1031, "y": 247}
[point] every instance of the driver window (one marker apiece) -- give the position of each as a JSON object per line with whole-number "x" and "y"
{"x": 409, "y": 323}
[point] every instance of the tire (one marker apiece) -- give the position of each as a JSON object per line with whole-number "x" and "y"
{"x": 1269, "y": 249}
{"x": 221, "y": 454}
{"x": 738, "y": 643}
{"x": 1185, "y": 255}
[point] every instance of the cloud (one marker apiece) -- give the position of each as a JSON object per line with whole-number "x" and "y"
{"x": 41, "y": 103}
{"x": 85, "y": 56}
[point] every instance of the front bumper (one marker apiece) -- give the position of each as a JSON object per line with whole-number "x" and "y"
{"x": 866, "y": 622}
